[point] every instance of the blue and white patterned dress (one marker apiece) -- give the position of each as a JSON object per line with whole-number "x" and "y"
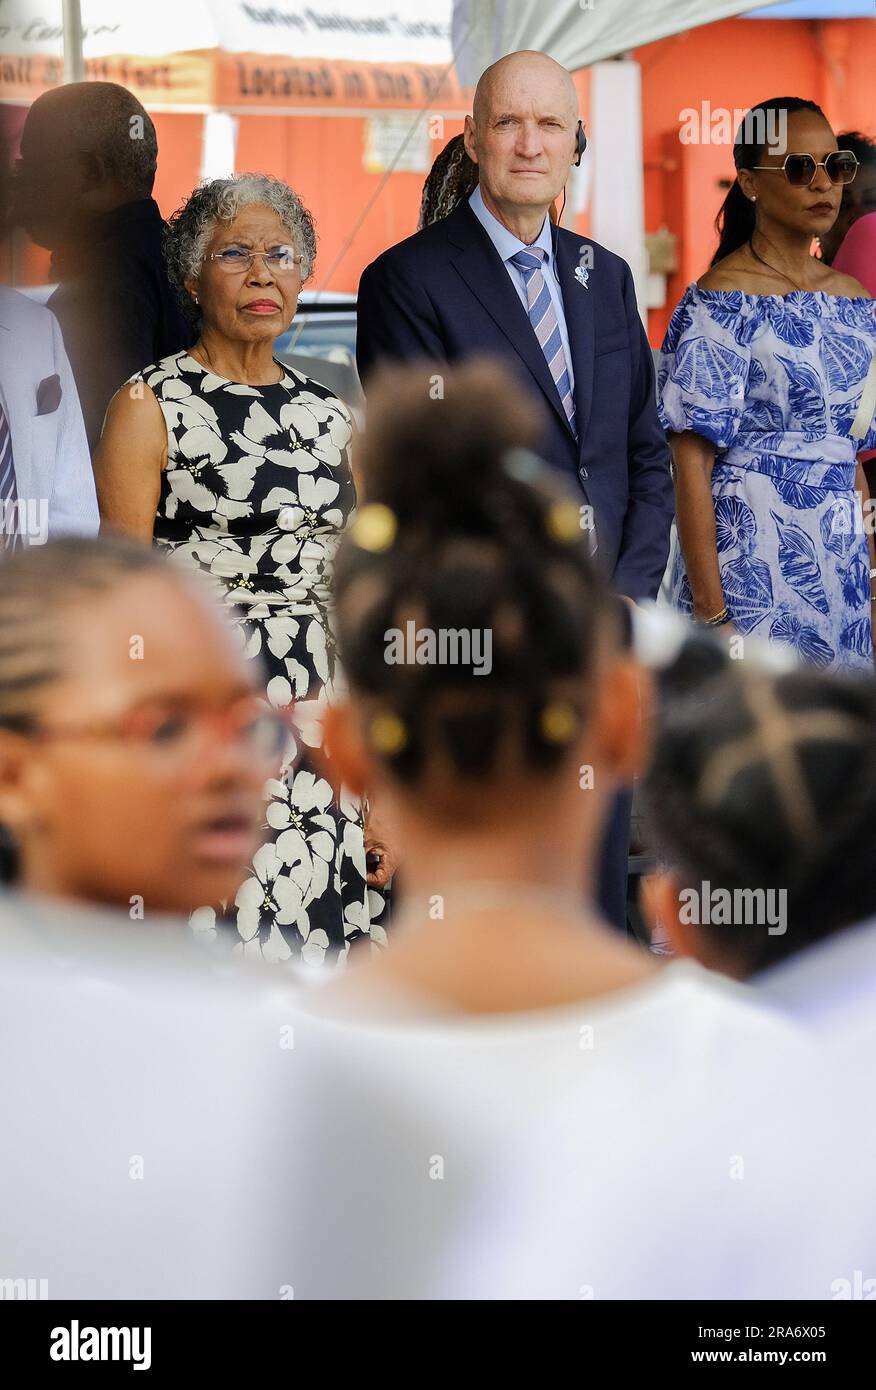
{"x": 775, "y": 381}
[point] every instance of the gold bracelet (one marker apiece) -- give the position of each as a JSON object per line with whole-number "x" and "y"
{"x": 718, "y": 618}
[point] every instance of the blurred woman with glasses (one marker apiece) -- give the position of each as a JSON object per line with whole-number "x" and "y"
{"x": 240, "y": 467}
{"x": 768, "y": 391}
{"x": 133, "y": 750}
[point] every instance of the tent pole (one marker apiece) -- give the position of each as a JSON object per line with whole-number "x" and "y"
{"x": 74, "y": 63}
{"x": 618, "y": 179}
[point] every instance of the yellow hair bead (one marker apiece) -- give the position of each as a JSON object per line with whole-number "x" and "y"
{"x": 374, "y": 527}
{"x": 563, "y": 522}
{"x": 558, "y": 722}
{"x": 387, "y": 734}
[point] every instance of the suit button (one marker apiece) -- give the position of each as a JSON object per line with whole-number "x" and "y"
{"x": 583, "y": 474}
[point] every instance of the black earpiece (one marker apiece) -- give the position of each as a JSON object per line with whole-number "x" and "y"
{"x": 580, "y": 142}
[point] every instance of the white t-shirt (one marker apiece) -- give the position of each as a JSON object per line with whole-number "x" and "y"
{"x": 651, "y": 1143}
{"x": 140, "y": 1156}
{"x": 829, "y": 989}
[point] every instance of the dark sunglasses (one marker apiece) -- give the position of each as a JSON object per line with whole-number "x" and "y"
{"x": 800, "y": 169}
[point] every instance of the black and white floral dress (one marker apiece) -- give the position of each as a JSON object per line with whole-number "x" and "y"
{"x": 256, "y": 493}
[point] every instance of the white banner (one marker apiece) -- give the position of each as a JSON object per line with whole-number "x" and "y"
{"x": 379, "y": 31}
{"x": 35, "y": 27}
{"x": 365, "y": 31}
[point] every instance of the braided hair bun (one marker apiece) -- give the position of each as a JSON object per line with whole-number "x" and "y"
{"x": 465, "y": 535}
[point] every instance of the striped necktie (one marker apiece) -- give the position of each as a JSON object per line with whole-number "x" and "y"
{"x": 9, "y": 537}
{"x": 543, "y": 317}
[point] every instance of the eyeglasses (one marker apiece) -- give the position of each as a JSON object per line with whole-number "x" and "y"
{"x": 236, "y": 260}
{"x": 180, "y": 735}
{"x": 800, "y": 169}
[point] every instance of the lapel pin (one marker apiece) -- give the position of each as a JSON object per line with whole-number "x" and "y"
{"x": 582, "y": 276}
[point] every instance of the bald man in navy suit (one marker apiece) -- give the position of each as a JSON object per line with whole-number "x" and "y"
{"x": 498, "y": 278}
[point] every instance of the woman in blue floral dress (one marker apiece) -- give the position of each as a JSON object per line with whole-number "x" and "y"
{"x": 766, "y": 389}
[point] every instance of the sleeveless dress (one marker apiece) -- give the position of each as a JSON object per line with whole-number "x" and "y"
{"x": 775, "y": 382}
{"x": 256, "y": 493}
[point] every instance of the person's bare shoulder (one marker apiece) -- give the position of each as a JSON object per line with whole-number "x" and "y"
{"x": 134, "y": 423}
{"x": 728, "y": 274}
{"x": 847, "y": 286}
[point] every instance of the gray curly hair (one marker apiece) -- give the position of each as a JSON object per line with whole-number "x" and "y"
{"x": 190, "y": 228}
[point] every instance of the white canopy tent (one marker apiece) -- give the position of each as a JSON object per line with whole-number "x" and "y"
{"x": 577, "y": 33}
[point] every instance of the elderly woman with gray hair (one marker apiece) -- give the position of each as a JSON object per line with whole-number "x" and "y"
{"x": 240, "y": 467}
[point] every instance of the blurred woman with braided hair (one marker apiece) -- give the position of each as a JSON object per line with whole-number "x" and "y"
{"x": 763, "y": 792}
{"x": 133, "y": 751}
{"x": 495, "y": 707}
{"x": 133, "y": 756}
{"x": 762, "y": 789}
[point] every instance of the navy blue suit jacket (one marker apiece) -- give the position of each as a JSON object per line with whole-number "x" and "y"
{"x": 444, "y": 294}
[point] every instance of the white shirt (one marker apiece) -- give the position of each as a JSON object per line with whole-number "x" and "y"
{"x": 148, "y": 1111}
{"x": 651, "y": 1143}
{"x": 507, "y": 245}
{"x": 53, "y": 474}
{"x": 829, "y": 986}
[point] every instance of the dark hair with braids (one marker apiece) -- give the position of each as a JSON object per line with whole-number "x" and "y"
{"x": 38, "y": 587}
{"x": 736, "y": 219}
{"x": 769, "y": 782}
{"x": 485, "y": 540}
{"x": 453, "y": 176}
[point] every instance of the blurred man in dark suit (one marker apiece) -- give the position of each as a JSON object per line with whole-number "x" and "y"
{"x": 83, "y": 190}
{"x": 46, "y": 480}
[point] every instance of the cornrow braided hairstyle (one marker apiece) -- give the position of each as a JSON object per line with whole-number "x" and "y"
{"x": 453, "y": 176}
{"x": 482, "y": 538}
{"x": 38, "y": 586}
{"x": 769, "y": 782}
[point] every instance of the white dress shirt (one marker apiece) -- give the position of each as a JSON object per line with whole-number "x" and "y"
{"x": 53, "y": 474}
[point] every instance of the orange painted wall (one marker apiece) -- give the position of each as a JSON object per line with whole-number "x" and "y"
{"x": 357, "y": 213}
{"x": 179, "y": 157}
{"x": 735, "y": 64}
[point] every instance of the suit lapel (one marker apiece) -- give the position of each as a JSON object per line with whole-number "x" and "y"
{"x": 580, "y": 324}
{"x": 481, "y": 267}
